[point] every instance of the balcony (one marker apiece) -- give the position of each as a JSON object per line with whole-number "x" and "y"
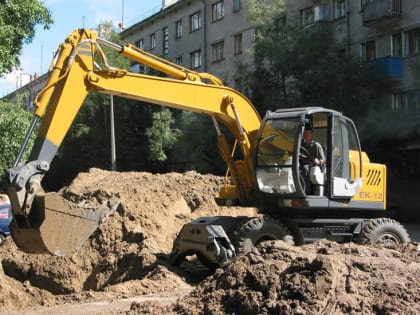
{"x": 386, "y": 69}
{"x": 381, "y": 12}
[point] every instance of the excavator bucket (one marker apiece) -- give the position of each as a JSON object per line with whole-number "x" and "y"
{"x": 57, "y": 226}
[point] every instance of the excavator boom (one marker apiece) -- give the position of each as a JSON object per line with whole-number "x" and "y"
{"x": 46, "y": 222}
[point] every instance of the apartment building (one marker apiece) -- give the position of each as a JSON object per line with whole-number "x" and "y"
{"x": 27, "y": 93}
{"x": 383, "y": 32}
{"x": 212, "y": 35}
{"x": 203, "y": 35}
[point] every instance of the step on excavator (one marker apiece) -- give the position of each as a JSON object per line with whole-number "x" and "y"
{"x": 340, "y": 195}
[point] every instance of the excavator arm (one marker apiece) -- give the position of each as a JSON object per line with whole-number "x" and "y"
{"x": 46, "y": 222}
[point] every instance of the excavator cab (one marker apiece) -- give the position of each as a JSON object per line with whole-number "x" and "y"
{"x": 285, "y": 169}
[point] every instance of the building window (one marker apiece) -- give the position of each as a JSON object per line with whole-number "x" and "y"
{"x": 218, "y": 11}
{"x": 339, "y": 8}
{"x": 140, "y": 44}
{"x": 178, "y": 29}
{"x": 307, "y": 16}
{"x": 217, "y": 51}
{"x": 369, "y": 50}
{"x": 178, "y": 61}
{"x": 165, "y": 42}
{"x": 412, "y": 39}
{"x": 322, "y": 13}
{"x": 142, "y": 68}
{"x": 195, "y": 22}
{"x": 364, "y": 2}
{"x": 397, "y": 44}
{"x": 407, "y": 102}
{"x": 413, "y": 102}
{"x": 195, "y": 59}
{"x": 398, "y": 103}
{"x": 236, "y": 5}
{"x": 138, "y": 68}
{"x": 153, "y": 41}
{"x": 238, "y": 44}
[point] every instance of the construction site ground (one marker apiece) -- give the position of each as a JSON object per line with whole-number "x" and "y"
{"x": 123, "y": 267}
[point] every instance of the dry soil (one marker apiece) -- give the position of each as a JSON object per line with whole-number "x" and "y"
{"x": 123, "y": 267}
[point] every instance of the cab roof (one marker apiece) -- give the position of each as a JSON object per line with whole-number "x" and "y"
{"x": 301, "y": 112}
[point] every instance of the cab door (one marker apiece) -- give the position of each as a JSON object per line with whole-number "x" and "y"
{"x": 345, "y": 156}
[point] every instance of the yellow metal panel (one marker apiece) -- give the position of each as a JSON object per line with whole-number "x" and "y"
{"x": 64, "y": 105}
{"x": 374, "y": 184}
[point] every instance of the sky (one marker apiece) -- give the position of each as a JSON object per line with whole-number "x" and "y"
{"x": 69, "y": 15}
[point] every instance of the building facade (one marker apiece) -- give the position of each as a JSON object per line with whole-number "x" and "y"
{"x": 385, "y": 33}
{"x": 203, "y": 35}
{"x": 213, "y": 35}
{"x": 26, "y": 94}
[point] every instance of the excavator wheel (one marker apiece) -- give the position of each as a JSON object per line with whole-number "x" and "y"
{"x": 383, "y": 230}
{"x": 252, "y": 231}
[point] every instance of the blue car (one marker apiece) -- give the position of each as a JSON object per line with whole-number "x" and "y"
{"x": 5, "y": 217}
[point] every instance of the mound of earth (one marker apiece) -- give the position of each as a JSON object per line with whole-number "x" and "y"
{"x": 127, "y": 255}
{"x": 127, "y": 258}
{"x": 321, "y": 278}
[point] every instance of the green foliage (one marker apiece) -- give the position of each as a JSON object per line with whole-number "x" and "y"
{"x": 14, "y": 122}
{"x": 265, "y": 13}
{"x": 160, "y": 135}
{"x": 197, "y": 146}
{"x": 326, "y": 76}
{"x": 296, "y": 66}
{"x": 88, "y": 143}
{"x": 18, "y": 19}
{"x": 114, "y": 58}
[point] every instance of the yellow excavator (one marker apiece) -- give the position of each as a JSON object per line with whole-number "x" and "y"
{"x": 343, "y": 199}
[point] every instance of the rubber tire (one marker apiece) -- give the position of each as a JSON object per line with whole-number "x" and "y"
{"x": 252, "y": 231}
{"x": 384, "y": 231}
{"x": 2, "y": 239}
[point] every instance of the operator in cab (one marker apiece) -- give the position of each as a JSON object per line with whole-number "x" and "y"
{"x": 312, "y": 154}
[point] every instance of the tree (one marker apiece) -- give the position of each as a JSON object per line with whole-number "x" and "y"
{"x": 272, "y": 51}
{"x": 14, "y": 122}
{"x": 197, "y": 145}
{"x": 301, "y": 66}
{"x": 18, "y": 19}
{"x": 161, "y": 136}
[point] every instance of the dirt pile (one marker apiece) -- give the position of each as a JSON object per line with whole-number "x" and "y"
{"x": 321, "y": 278}
{"x": 128, "y": 253}
{"x": 128, "y": 257}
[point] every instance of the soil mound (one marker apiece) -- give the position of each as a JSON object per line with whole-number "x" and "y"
{"x": 321, "y": 278}
{"x": 127, "y": 257}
